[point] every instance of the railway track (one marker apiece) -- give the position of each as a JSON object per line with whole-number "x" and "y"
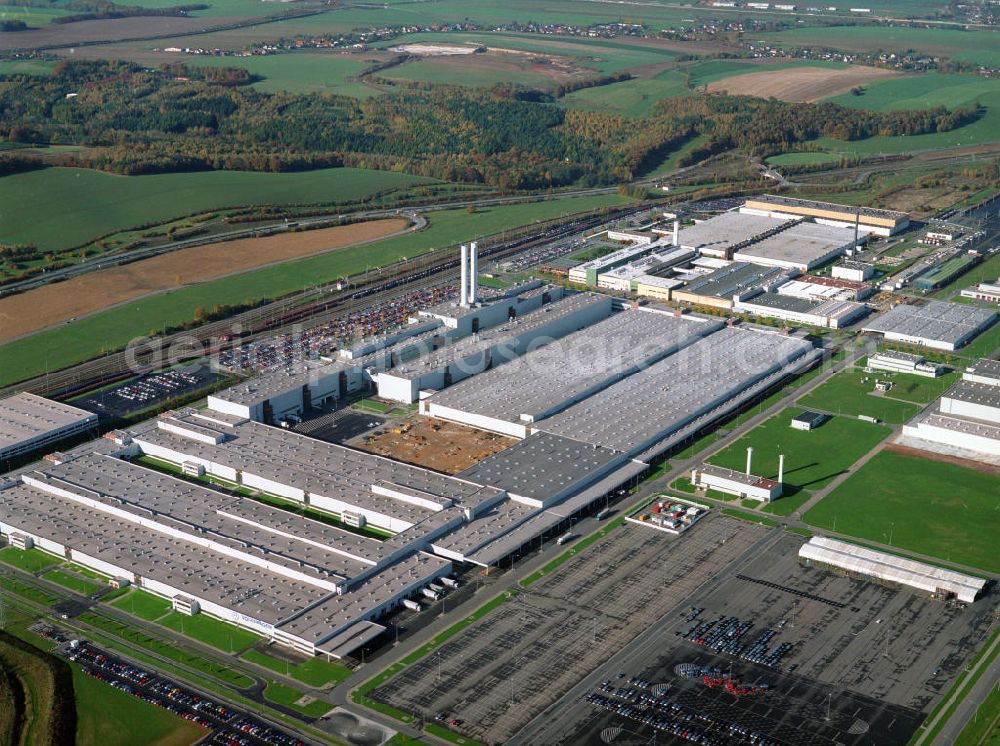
{"x": 303, "y": 310}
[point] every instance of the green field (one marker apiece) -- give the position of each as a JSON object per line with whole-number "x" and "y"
{"x": 33, "y": 16}
{"x": 85, "y": 338}
{"x": 215, "y": 632}
{"x": 981, "y": 47}
{"x": 26, "y": 67}
{"x": 604, "y": 56}
{"x": 984, "y": 728}
{"x": 287, "y": 696}
{"x": 629, "y": 98}
{"x": 32, "y": 560}
{"x": 431, "y": 70}
{"x": 928, "y": 507}
{"x": 299, "y": 72}
{"x": 143, "y": 604}
{"x": 846, "y": 393}
{"x": 58, "y": 208}
{"x": 812, "y": 459}
{"x": 922, "y": 92}
{"x": 73, "y": 582}
{"x": 918, "y": 389}
{"x": 704, "y": 73}
{"x": 106, "y": 716}
{"x": 315, "y": 672}
{"x": 802, "y": 159}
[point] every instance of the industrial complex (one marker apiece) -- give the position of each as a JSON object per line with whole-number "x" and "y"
{"x": 328, "y": 497}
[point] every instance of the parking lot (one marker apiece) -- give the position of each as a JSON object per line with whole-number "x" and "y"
{"x": 499, "y": 673}
{"x": 147, "y": 391}
{"x": 865, "y": 662}
{"x": 224, "y": 725}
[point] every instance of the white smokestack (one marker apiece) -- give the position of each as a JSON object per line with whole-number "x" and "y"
{"x": 463, "y": 287}
{"x": 749, "y": 458}
{"x": 677, "y": 226}
{"x": 474, "y": 273}
{"x": 781, "y": 468}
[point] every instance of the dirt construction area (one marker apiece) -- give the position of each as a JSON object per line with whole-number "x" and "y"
{"x": 435, "y": 444}
{"x": 803, "y": 84}
{"x": 56, "y": 303}
{"x": 506, "y": 668}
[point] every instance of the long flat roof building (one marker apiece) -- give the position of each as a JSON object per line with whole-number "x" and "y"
{"x": 29, "y": 422}
{"x": 723, "y": 234}
{"x": 802, "y": 246}
{"x": 737, "y": 280}
{"x": 892, "y": 568}
{"x": 882, "y": 222}
{"x": 937, "y": 324}
{"x": 509, "y": 398}
{"x": 825, "y": 313}
{"x": 647, "y": 413}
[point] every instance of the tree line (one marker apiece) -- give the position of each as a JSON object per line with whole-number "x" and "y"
{"x": 135, "y": 121}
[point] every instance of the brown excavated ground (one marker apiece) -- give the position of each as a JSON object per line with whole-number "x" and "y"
{"x": 945, "y": 458}
{"x": 802, "y": 84}
{"x": 446, "y": 447}
{"x": 55, "y": 303}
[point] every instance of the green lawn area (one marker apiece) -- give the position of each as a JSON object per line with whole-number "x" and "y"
{"x": 109, "y": 717}
{"x": 211, "y": 631}
{"x": 86, "y": 337}
{"x": 929, "y": 507}
{"x": 143, "y": 604}
{"x": 315, "y": 672}
{"x": 299, "y": 72}
{"x": 58, "y": 208}
{"x": 286, "y": 695}
{"x": 846, "y": 393}
{"x": 630, "y": 98}
{"x": 984, "y": 728}
{"x": 73, "y": 582}
{"x": 918, "y": 389}
{"x": 749, "y": 517}
{"x": 988, "y": 270}
{"x": 32, "y": 560}
{"x": 223, "y": 673}
{"x": 27, "y": 591}
{"x": 812, "y": 459}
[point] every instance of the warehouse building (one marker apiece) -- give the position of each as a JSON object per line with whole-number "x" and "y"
{"x": 904, "y": 362}
{"x": 936, "y": 324}
{"x": 968, "y": 414}
{"x": 834, "y": 314}
{"x": 801, "y": 246}
{"x": 451, "y": 363}
{"x": 656, "y": 288}
{"x": 732, "y": 482}
{"x": 817, "y": 287}
{"x": 626, "y": 277}
{"x": 984, "y": 291}
{"x": 29, "y": 423}
{"x": 724, "y": 234}
{"x": 508, "y": 399}
{"x": 851, "y": 270}
{"x": 733, "y": 283}
{"x": 649, "y": 412}
{"x": 946, "y": 271}
{"x": 869, "y": 220}
{"x": 870, "y": 563}
{"x": 587, "y": 272}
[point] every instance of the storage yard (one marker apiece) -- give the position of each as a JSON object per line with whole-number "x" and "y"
{"x": 434, "y": 444}
{"x": 865, "y": 662}
{"x": 505, "y": 669}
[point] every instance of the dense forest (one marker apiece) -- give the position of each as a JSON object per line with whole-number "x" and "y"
{"x": 138, "y": 120}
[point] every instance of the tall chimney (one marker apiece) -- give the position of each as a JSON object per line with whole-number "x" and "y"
{"x": 677, "y": 226}
{"x": 781, "y": 468}
{"x": 463, "y": 287}
{"x": 474, "y": 273}
{"x": 749, "y": 458}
